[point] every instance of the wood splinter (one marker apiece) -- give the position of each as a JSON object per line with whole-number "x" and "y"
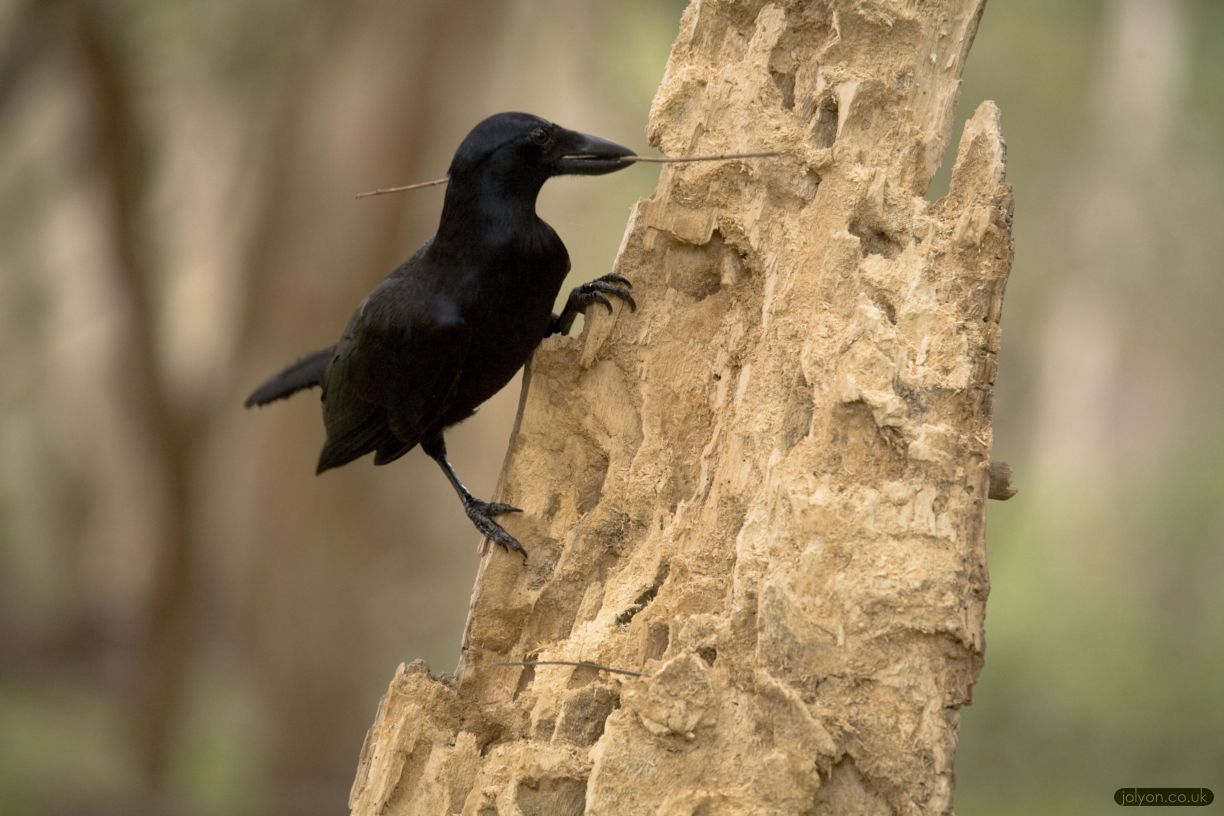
{"x": 578, "y": 664}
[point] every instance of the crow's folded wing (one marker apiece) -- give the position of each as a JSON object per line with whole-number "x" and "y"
{"x": 393, "y": 374}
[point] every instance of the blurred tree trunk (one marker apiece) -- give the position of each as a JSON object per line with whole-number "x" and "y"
{"x": 117, "y": 138}
{"x": 764, "y": 491}
{"x": 296, "y": 642}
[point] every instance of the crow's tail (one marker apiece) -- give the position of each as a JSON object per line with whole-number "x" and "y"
{"x": 305, "y": 373}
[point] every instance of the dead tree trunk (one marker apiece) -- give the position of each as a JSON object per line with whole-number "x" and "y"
{"x": 764, "y": 491}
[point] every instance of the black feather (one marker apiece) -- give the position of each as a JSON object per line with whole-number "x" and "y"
{"x": 305, "y": 373}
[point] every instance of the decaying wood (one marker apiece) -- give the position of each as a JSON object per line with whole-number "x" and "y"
{"x": 765, "y": 489}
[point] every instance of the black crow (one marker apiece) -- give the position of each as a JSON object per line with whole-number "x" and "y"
{"x": 452, "y": 324}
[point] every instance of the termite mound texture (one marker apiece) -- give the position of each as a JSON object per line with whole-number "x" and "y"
{"x": 763, "y": 491}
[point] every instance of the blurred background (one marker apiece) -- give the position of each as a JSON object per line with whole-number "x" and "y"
{"x": 192, "y": 623}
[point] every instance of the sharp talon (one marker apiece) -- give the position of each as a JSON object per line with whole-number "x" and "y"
{"x": 590, "y": 293}
{"x": 598, "y": 287}
{"x": 509, "y": 543}
{"x": 622, "y": 294}
{"x": 480, "y": 512}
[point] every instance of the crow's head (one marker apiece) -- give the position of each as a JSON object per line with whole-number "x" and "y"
{"x": 526, "y": 150}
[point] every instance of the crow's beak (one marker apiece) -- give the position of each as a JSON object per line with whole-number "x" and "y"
{"x": 586, "y": 155}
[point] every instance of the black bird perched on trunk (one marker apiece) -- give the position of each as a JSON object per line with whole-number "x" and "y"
{"x": 452, "y": 324}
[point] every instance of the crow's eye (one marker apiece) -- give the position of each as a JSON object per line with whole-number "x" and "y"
{"x": 541, "y": 137}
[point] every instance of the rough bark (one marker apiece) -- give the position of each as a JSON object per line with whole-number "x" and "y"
{"x": 764, "y": 491}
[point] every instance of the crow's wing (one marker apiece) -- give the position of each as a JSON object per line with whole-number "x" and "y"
{"x": 393, "y": 375}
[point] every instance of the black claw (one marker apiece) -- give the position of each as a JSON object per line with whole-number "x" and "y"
{"x": 590, "y": 292}
{"x": 481, "y": 514}
{"x": 497, "y": 534}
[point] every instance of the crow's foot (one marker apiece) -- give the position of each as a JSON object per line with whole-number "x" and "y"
{"x": 590, "y": 293}
{"x": 481, "y": 513}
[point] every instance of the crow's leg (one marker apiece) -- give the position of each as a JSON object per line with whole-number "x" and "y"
{"x": 480, "y": 512}
{"x": 589, "y": 293}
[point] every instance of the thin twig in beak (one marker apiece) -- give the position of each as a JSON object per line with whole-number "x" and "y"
{"x": 722, "y": 157}
{"x": 766, "y": 154}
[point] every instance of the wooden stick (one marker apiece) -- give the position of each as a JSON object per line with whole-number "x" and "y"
{"x": 725, "y": 156}
{"x": 653, "y": 159}
{"x": 417, "y": 186}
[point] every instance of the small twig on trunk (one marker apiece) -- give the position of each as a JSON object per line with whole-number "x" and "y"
{"x": 578, "y": 664}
